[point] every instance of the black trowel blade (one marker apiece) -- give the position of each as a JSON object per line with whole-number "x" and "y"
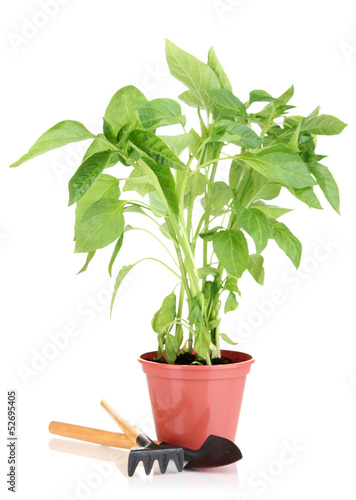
{"x": 216, "y": 451}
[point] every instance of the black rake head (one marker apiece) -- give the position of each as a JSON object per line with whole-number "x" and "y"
{"x": 162, "y": 453}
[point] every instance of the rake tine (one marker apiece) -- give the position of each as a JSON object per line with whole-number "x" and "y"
{"x": 163, "y": 463}
{"x": 133, "y": 463}
{"x": 148, "y": 464}
{"x": 179, "y": 460}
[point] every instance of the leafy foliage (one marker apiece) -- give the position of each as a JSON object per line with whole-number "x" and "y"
{"x": 272, "y": 150}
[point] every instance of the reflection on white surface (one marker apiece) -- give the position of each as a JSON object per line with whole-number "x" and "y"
{"x": 97, "y": 452}
{"x": 219, "y": 480}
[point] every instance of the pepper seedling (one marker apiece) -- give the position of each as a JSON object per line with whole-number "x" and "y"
{"x": 266, "y": 149}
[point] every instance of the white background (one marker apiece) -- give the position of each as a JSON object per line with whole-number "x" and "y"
{"x": 301, "y": 391}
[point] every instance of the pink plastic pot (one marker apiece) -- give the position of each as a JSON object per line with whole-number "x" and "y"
{"x": 191, "y": 402}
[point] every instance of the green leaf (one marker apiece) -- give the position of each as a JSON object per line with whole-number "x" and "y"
{"x": 260, "y": 188}
{"x": 231, "y": 303}
{"x": 124, "y": 135}
{"x": 60, "y": 135}
{"x": 307, "y": 196}
{"x": 277, "y": 107}
{"x": 101, "y": 224}
{"x": 133, "y": 209}
{"x": 307, "y": 144}
{"x": 227, "y": 103}
{"x": 106, "y": 186}
{"x": 280, "y": 164}
{"x": 235, "y": 133}
{"x": 123, "y": 106}
{"x": 178, "y": 143}
{"x": 231, "y": 285}
{"x": 323, "y": 125}
{"x": 139, "y": 183}
{"x": 214, "y": 349}
{"x": 211, "y": 151}
{"x": 286, "y": 96}
{"x": 255, "y": 224}
{"x": 238, "y": 171}
{"x": 290, "y": 124}
{"x": 196, "y": 75}
{"x": 202, "y": 341}
{"x": 165, "y": 230}
{"x": 160, "y": 339}
{"x": 171, "y": 349}
{"x": 220, "y": 196}
{"x": 271, "y": 211}
{"x": 208, "y": 235}
{"x": 215, "y": 64}
{"x": 250, "y": 185}
{"x": 165, "y": 315}
{"x": 327, "y": 184}
{"x": 203, "y": 272}
{"x": 115, "y": 252}
{"x": 88, "y": 173}
{"x": 89, "y": 258}
{"x": 214, "y": 323}
{"x": 314, "y": 113}
{"x": 231, "y": 249}
{"x": 108, "y": 132}
{"x": 156, "y": 149}
{"x": 195, "y": 315}
{"x": 255, "y": 268}
{"x": 210, "y": 292}
{"x": 195, "y": 146}
{"x": 227, "y": 339}
{"x": 190, "y": 99}
{"x": 286, "y": 240}
{"x": 294, "y": 140}
{"x": 119, "y": 279}
{"x": 97, "y": 146}
{"x": 259, "y": 96}
{"x": 195, "y": 187}
{"x": 157, "y": 205}
{"x": 160, "y": 112}
{"x": 166, "y": 184}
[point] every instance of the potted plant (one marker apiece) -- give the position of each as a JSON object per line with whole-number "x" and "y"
{"x": 196, "y": 387}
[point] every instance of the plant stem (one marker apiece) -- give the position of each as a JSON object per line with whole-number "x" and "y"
{"x": 207, "y": 214}
{"x": 144, "y": 213}
{"x": 217, "y": 341}
{"x": 192, "y": 196}
{"x": 181, "y": 233}
{"x": 214, "y": 160}
{"x": 107, "y": 143}
{"x": 159, "y": 241}
{"x": 163, "y": 263}
{"x": 197, "y": 232}
{"x": 140, "y": 204}
{"x": 180, "y": 259}
{"x": 179, "y": 329}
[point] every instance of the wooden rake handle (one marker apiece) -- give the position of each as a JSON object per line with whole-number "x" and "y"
{"x": 131, "y": 431}
{"x": 90, "y": 435}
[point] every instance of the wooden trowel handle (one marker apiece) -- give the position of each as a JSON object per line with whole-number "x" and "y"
{"x": 131, "y": 431}
{"x": 90, "y": 435}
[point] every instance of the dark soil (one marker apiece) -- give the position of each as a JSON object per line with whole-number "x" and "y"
{"x": 188, "y": 359}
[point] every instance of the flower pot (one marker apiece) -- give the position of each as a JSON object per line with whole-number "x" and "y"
{"x": 191, "y": 402}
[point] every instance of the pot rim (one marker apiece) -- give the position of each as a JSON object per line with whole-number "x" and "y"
{"x": 225, "y": 352}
